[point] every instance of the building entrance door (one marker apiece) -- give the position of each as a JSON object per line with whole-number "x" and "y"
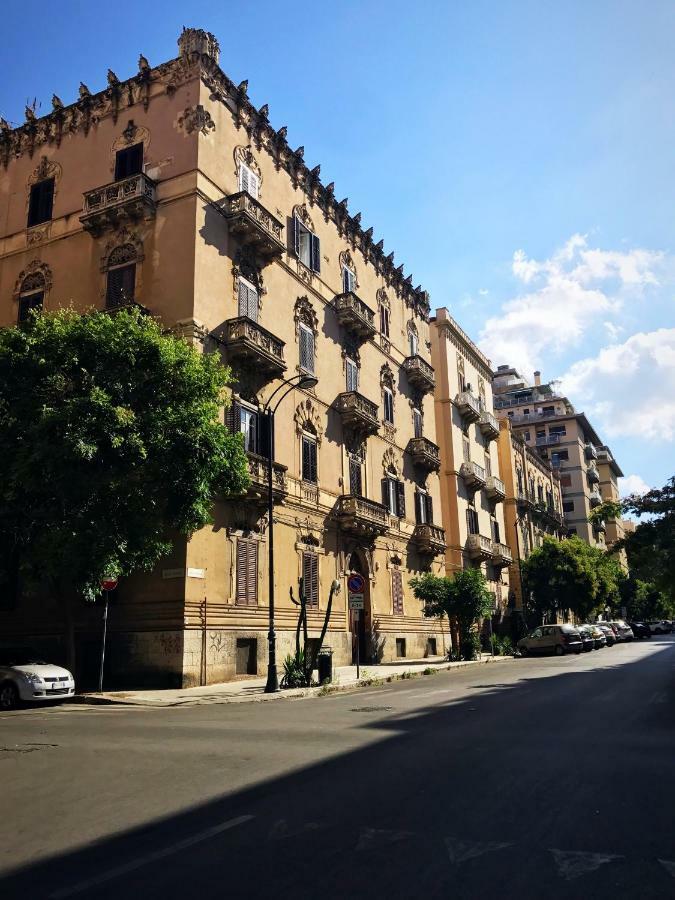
{"x": 360, "y": 620}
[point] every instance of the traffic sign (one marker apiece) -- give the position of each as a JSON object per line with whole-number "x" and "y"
{"x": 355, "y": 583}
{"x": 108, "y": 582}
{"x": 356, "y": 601}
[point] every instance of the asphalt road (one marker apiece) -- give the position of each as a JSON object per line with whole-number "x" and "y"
{"x": 530, "y": 778}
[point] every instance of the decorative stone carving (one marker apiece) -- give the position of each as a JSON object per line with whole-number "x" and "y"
{"x": 38, "y": 234}
{"x": 347, "y": 261}
{"x": 37, "y": 276}
{"x": 244, "y": 156}
{"x": 194, "y": 43}
{"x": 196, "y": 118}
{"x": 301, "y": 213}
{"x": 47, "y": 168}
{"x": 306, "y": 414}
{"x": 304, "y": 312}
{"x": 123, "y": 238}
{"x": 391, "y": 462}
{"x": 387, "y": 378}
{"x": 132, "y": 134}
{"x": 246, "y": 265}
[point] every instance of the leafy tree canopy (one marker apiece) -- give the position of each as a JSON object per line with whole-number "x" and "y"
{"x": 464, "y": 597}
{"x": 651, "y": 547}
{"x": 110, "y": 439}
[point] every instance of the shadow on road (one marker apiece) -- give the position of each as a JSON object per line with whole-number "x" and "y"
{"x": 459, "y": 799}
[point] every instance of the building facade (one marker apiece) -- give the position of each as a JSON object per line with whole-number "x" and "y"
{"x": 549, "y": 424}
{"x": 615, "y": 528}
{"x": 171, "y": 191}
{"x": 472, "y": 491}
{"x": 532, "y": 505}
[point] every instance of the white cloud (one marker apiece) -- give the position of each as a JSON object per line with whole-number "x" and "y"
{"x": 632, "y": 484}
{"x": 629, "y": 388}
{"x": 567, "y": 294}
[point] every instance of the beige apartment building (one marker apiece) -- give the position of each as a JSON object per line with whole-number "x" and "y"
{"x": 548, "y": 422}
{"x": 171, "y": 191}
{"x": 610, "y": 472}
{"x": 472, "y": 491}
{"x": 532, "y": 505}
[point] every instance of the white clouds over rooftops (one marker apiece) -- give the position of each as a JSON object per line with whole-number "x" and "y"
{"x": 577, "y": 288}
{"x": 632, "y": 484}
{"x": 629, "y": 388}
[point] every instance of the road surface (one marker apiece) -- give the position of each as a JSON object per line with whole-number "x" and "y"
{"x": 528, "y": 778}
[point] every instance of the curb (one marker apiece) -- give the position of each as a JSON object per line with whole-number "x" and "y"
{"x": 293, "y": 694}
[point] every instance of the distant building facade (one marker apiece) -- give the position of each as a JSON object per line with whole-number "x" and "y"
{"x": 616, "y": 529}
{"x": 171, "y": 191}
{"x": 472, "y": 490}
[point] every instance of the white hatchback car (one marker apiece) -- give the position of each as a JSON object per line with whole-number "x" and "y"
{"x": 25, "y": 677}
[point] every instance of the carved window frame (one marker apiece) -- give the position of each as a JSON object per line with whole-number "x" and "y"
{"x": 34, "y": 279}
{"x": 131, "y": 134}
{"x": 244, "y": 159}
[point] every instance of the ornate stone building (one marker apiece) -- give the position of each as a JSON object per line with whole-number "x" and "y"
{"x": 171, "y": 191}
{"x": 472, "y": 491}
{"x": 532, "y": 505}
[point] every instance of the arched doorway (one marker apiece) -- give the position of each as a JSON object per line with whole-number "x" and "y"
{"x": 360, "y": 620}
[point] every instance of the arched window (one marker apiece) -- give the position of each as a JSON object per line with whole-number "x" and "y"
{"x": 387, "y": 385}
{"x": 309, "y": 454}
{"x": 413, "y": 339}
{"x": 121, "y": 279}
{"x": 31, "y": 295}
{"x": 357, "y": 457}
{"x": 307, "y": 325}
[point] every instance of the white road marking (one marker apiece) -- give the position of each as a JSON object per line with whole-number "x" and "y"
{"x": 378, "y": 691}
{"x": 459, "y": 851}
{"x": 668, "y": 866}
{"x": 149, "y": 858}
{"x": 380, "y": 837}
{"x": 573, "y": 863}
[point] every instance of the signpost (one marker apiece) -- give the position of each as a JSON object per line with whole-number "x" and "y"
{"x": 355, "y": 589}
{"x": 108, "y": 583}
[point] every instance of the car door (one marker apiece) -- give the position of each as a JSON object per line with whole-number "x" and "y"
{"x": 535, "y": 640}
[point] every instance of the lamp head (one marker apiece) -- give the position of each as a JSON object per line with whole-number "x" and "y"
{"x": 308, "y": 381}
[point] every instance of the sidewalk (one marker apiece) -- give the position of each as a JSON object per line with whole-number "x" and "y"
{"x": 252, "y": 689}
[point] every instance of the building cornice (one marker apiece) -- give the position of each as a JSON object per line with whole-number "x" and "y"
{"x": 452, "y": 332}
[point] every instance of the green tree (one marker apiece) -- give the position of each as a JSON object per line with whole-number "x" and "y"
{"x": 111, "y": 440}
{"x": 651, "y": 547}
{"x": 569, "y": 575}
{"x": 464, "y": 599}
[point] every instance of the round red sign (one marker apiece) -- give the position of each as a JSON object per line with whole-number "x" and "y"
{"x": 108, "y": 583}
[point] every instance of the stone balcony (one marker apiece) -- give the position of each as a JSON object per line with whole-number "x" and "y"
{"x": 473, "y": 475}
{"x": 524, "y": 500}
{"x": 599, "y": 526}
{"x": 488, "y": 425}
{"x": 478, "y": 547}
{"x": 592, "y": 475}
{"x": 249, "y": 342}
{"x": 357, "y": 412}
{"x": 590, "y": 451}
{"x": 115, "y": 204}
{"x": 595, "y": 499}
{"x": 353, "y": 314}
{"x": 360, "y": 516}
{"x": 501, "y": 554}
{"x": 424, "y": 453}
{"x": 252, "y": 224}
{"x": 495, "y": 489}
{"x": 257, "y": 466}
{"x": 429, "y": 539}
{"x": 468, "y": 406}
{"x": 419, "y": 373}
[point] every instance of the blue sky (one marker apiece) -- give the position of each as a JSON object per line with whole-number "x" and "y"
{"x": 517, "y": 156}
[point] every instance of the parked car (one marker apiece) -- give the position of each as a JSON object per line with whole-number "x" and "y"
{"x": 608, "y": 631}
{"x": 640, "y": 629}
{"x": 662, "y": 627}
{"x": 25, "y": 677}
{"x": 558, "y": 639}
{"x": 599, "y": 639}
{"x": 587, "y": 639}
{"x": 623, "y": 630}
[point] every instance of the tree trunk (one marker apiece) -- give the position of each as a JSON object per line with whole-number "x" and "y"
{"x": 65, "y": 600}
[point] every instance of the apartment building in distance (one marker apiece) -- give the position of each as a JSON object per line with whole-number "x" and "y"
{"x": 548, "y": 422}
{"x": 532, "y": 505}
{"x": 171, "y": 191}
{"x": 472, "y": 491}
{"x": 615, "y": 528}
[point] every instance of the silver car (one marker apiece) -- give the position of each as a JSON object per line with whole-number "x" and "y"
{"x": 25, "y": 677}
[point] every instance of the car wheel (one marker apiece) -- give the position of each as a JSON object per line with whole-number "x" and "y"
{"x": 9, "y": 696}
{"x": 523, "y": 651}
{"x": 559, "y": 650}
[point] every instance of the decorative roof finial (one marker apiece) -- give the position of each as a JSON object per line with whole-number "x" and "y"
{"x": 57, "y": 102}
{"x": 143, "y": 64}
{"x": 113, "y": 80}
{"x": 84, "y": 91}
{"x": 243, "y": 86}
{"x": 195, "y": 42}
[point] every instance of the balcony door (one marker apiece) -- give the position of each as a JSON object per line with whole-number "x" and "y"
{"x": 360, "y": 620}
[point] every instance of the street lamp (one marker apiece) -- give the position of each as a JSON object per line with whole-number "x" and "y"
{"x": 295, "y": 381}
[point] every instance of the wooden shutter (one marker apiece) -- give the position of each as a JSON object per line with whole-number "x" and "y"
{"x": 247, "y": 572}
{"x": 397, "y": 592}
{"x": 352, "y": 375}
{"x": 264, "y": 434}
{"x": 400, "y": 499}
{"x": 306, "y": 348}
{"x": 385, "y": 492}
{"x": 296, "y": 236}
{"x": 430, "y": 509}
{"x": 355, "y": 484}
{"x": 121, "y": 285}
{"x": 129, "y": 162}
{"x": 310, "y": 576}
{"x": 232, "y": 417}
{"x": 248, "y": 300}
{"x": 41, "y": 202}
{"x": 309, "y": 472}
{"x": 28, "y": 303}
{"x": 315, "y": 253}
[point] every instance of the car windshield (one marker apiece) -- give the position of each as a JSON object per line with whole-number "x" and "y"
{"x": 20, "y": 656}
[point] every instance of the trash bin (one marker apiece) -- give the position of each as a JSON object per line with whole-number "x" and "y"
{"x": 324, "y": 665}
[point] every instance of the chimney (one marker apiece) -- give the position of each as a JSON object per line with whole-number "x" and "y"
{"x": 537, "y": 378}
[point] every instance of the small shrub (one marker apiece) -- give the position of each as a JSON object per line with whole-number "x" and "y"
{"x": 470, "y": 646}
{"x": 294, "y": 671}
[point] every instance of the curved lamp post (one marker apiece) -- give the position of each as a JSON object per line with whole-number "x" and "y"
{"x": 295, "y": 381}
